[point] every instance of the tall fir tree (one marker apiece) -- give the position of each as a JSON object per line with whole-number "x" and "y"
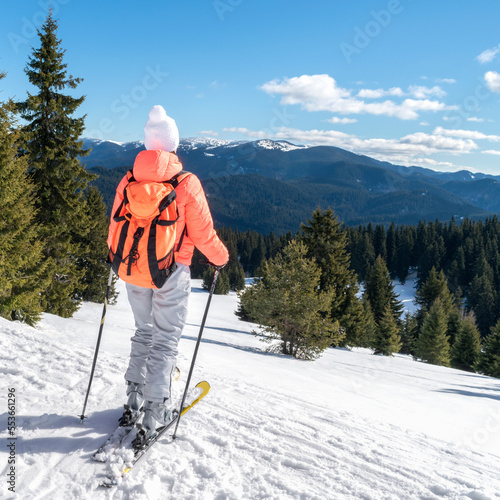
{"x": 434, "y": 287}
{"x": 387, "y": 338}
{"x": 379, "y": 290}
{"x": 222, "y": 286}
{"x": 432, "y": 344}
{"x": 92, "y": 259}
{"x": 370, "y": 330}
{"x": 489, "y": 359}
{"x": 408, "y": 334}
{"x": 467, "y": 347}
{"x": 326, "y": 243}
{"x": 288, "y": 305}
{"x": 454, "y": 324}
{"x": 52, "y": 147}
{"x": 482, "y": 298}
{"x": 21, "y": 266}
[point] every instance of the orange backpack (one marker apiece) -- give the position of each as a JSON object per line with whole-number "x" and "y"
{"x": 142, "y": 250}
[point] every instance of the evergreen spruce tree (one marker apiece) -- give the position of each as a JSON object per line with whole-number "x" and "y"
{"x": 370, "y": 330}
{"x": 387, "y": 338}
{"x": 222, "y": 286}
{"x": 236, "y": 277}
{"x": 52, "y": 147}
{"x": 434, "y": 287}
{"x": 379, "y": 290}
{"x": 432, "y": 344}
{"x": 326, "y": 243}
{"x": 467, "y": 347}
{"x": 408, "y": 334}
{"x": 353, "y": 321}
{"x": 93, "y": 256}
{"x": 21, "y": 266}
{"x": 482, "y": 299}
{"x": 288, "y": 305}
{"x": 489, "y": 359}
{"x": 454, "y": 325}
{"x": 233, "y": 269}
{"x": 402, "y": 259}
{"x": 362, "y": 254}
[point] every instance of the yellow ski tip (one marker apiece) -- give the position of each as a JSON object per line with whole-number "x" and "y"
{"x": 205, "y": 388}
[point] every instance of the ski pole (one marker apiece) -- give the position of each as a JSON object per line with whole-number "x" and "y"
{"x": 106, "y": 298}
{"x": 212, "y": 288}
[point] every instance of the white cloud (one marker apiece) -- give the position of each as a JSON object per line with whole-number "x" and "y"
{"x": 417, "y": 91}
{"x": 492, "y": 79}
{"x": 488, "y": 55}
{"x": 210, "y": 133}
{"x": 217, "y": 85}
{"x": 422, "y": 92}
{"x": 475, "y": 119}
{"x": 247, "y": 132}
{"x": 336, "y": 119}
{"x": 405, "y": 150}
{"x": 466, "y": 134}
{"x": 446, "y": 80}
{"x": 491, "y": 152}
{"x": 433, "y": 163}
{"x": 321, "y": 93}
{"x": 378, "y": 93}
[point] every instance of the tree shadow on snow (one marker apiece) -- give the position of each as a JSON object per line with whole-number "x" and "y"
{"x": 462, "y": 392}
{"x": 228, "y": 330}
{"x": 253, "y": 350}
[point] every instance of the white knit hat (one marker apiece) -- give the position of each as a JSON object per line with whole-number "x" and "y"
{"x": 160, "y": 131}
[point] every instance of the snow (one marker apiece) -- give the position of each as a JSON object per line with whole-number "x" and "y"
{"x": 406, "y": 292}
{"x": 347, "y": 426}
{"x": 190, "y": 143}
{"x": 279, "y": 145}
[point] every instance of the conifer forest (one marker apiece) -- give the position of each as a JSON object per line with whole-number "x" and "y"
{"x": 327, "y": 285}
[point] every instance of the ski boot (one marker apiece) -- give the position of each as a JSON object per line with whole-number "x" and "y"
{"x": 132, "y": 409}
{"x": 156, "y": 415}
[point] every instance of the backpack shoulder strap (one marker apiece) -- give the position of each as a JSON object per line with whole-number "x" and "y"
{"x": 175, "y": 181}
{"x": 178, "y": 178}
{"x": 130, "y": 178}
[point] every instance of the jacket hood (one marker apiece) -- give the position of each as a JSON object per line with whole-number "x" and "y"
{"x": 156, "y": 165}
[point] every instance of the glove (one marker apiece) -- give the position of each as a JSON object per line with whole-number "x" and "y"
{"x": 211, "y": 264}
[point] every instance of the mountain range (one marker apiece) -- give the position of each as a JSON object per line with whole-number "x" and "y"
{"x": 269, "y": 185}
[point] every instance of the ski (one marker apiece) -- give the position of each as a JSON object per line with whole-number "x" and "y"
{"x": 110, "y": 482}
{"x": 114, "y": 441}
{"x": 116, "y": 438}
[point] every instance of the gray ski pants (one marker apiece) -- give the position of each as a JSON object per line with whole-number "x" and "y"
{"x": 160, "y": 316}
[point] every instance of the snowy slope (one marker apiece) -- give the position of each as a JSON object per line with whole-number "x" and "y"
{"x": 348, "y": 426}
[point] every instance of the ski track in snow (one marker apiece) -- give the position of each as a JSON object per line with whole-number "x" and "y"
{"x": 245, "y": 440}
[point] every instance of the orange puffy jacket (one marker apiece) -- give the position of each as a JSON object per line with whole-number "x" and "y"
{"x": 157, "y": 165}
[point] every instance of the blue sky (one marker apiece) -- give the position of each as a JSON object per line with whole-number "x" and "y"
{"x": 414, "y": 82}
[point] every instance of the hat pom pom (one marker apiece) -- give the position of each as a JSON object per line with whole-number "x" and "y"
{"x": 157, "y": 114}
